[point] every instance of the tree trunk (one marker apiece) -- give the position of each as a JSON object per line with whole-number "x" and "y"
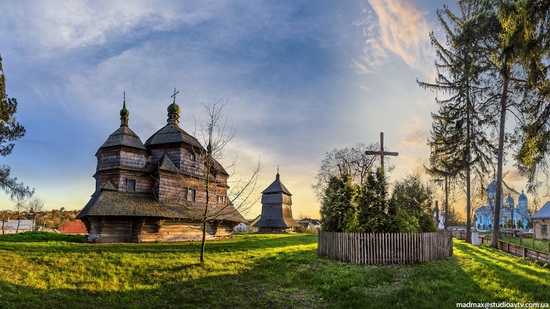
{"x": 468, "y": 180}
{"x": 446, "y": 220}
{"x": 500, "y": 160}
{"x": 205, "y": 217}
{"x": 203, "y": 241}
{"x": 207, "y": 183}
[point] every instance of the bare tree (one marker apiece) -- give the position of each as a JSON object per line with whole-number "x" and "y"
{"x": 34, "y": 205}
{"x": 347, "y": 161}
{"x": 20, "y": 205}
{"x": 243, "y": 192}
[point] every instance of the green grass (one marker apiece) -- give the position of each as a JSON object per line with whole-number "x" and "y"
{"x": 250, "y": 271}
{"x": 40, "y": 237}
{"x": 542, "y": 245}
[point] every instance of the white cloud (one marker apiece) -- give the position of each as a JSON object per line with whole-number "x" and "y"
{"x": 394, "y": 26}
{"x": 415, "y": 134}
{"x": 51, "y": 27}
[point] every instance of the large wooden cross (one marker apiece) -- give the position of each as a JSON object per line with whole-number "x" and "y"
{"x": 382, "y": 153}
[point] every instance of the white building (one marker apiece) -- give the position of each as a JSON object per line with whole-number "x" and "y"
{"x": 16, "y": 226}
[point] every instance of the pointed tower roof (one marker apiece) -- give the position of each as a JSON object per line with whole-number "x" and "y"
{"x": 277, "y": 186}
{"x": 171, "y": 133}
{"x": 123, "y": 136}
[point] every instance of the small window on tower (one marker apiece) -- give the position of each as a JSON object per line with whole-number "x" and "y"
{"x": 544, "y": 229}
{"x": 131, "y": 185}
{"x": 193, "y": 157}
{"x": 220, "y": 199}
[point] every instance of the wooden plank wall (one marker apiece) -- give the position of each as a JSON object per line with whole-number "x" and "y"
{"x": 385, "y": 248}
{"x": 139, "y": 229}
{"x": 183, "y": 230}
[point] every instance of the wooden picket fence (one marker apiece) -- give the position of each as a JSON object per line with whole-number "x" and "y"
{"x": 385, "y": 248}
{"x": 517, "y": 250}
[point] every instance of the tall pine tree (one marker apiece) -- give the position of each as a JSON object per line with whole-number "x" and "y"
{"x": 458, "y": 141}
{"x": 10, "y": 130}
{"x": 527, "y": 24}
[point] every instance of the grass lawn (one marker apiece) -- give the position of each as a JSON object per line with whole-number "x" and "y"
{"x": 250, "y": 271}
{"x": 542, "y": 245}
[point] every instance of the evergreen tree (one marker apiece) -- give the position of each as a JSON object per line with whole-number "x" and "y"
{"x": 498, "y": 57}
{"x": 527, "y": 24}
{"x": 10, "y": 130}
{"x": 506, "y": 95}
{"x": 373, "y": 206}
{"x": 458, "y": 142}
{"x": 412, "y": 200}
{"x": 338, "y": 212}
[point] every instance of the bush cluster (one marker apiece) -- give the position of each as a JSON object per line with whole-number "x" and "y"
{"x": 366, "y": 208}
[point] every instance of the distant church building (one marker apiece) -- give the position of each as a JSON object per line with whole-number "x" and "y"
{"x": 509, "y": 213}
{"x": 157, "y": 191}
{"x": 276, "y": 214}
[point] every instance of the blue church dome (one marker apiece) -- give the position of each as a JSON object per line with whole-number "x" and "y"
{"x": 492, "y": 187}
{"x": 509, "y": 200}
{"x": 522, "y": 197}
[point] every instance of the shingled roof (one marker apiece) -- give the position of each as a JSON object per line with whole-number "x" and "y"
{"x": 276, "y": 208}
{"x": 172, "y": 133}
{"x": 276, "y": 187}
{"x": 544, "y": 212}
{"x": 276, "y": 222}
{"x": 132, "y": 204}
{"x": 123, "y": 136}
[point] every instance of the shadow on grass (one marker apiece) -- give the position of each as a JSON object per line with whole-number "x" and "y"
{"x": 271, "y": 283}
{"x": 494, "y": 256}
{"x": 280, "y": 279}
{"x": 500, "y": 272}
{"x": 283, "y": 280}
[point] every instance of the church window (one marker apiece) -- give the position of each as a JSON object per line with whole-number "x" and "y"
{"x": 544, "y": 229}
{"x": 220, "y": 198}
{"x": 193, "y": 157}
{"x": 131, "y": 185}
{"x": 191, "y": 195}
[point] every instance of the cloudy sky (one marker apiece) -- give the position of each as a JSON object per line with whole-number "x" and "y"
{"x": 300, "y": 78}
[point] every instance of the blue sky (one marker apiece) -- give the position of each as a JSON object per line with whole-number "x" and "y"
{"x": 300, "y": 78}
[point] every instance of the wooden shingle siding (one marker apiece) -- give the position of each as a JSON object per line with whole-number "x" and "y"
{"x": 142, "y": 190}
{"x": 125, "y": 157}
{"x": 182, "y": 230}
{"x": 144, "y": 182}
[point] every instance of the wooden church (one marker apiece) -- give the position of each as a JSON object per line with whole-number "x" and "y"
{"x": 276, "y": 214}
{"x": 157, "y": 191}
